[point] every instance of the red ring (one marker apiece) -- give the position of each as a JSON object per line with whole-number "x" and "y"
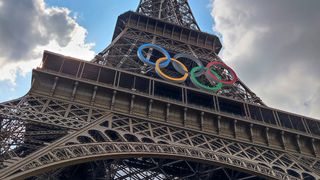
{"x": 234, "y": 75}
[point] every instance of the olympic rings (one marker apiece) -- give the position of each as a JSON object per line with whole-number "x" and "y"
{"x": 194, "y": 59}
{"x": 202, "y": 86}
{"x": 164, "y": 76}
{"x": 214, "y": 77}
{"x": 147, "y": 61}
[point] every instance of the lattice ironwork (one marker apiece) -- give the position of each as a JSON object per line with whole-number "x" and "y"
{"x": 122, "y": 53}
{"x": 86, "y": 120}
{"x": 175, "y": 11}
{"x": 31, "y": 122}
{"x": 121, "y": 137}
{"x": 147, "y": 168}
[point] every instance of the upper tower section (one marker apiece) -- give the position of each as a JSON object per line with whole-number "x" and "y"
{"x": 175, "y": 11}
{"x": 167, "y": 29}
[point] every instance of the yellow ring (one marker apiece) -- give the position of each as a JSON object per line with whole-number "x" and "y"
{"x": 181, "y": 79}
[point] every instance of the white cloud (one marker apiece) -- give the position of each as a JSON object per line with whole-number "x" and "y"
{"x": 274, "y": 47}
{"x": 30, "y": 27}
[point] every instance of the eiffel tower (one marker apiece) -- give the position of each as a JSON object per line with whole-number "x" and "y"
{"x": 116, "y": 118}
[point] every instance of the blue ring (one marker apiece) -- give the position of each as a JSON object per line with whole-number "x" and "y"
{"x": 147, "y": 61}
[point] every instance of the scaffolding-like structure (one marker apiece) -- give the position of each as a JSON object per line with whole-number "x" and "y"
{"x": 116, "y": 118}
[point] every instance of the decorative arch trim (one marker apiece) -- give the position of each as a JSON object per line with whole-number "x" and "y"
{"x": 79, "y": 153}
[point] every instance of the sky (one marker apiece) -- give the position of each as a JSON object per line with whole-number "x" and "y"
{"x": 272, "y": 45}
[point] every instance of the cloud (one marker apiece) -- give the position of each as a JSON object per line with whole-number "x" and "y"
{"x": 29, "y": 27}
{"x": 274, "y": 47}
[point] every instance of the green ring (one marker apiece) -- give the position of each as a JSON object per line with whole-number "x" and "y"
{"x": 201, "y": 86}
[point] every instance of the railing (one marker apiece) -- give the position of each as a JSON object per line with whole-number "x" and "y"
{"x": 168, "y": 29}
{"x": 177, "y": 93}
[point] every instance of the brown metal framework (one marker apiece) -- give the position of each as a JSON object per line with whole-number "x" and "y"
{"x": 175, "y": 11}
{"x": 134, "y": 29}
{"x": 113, "y": 118}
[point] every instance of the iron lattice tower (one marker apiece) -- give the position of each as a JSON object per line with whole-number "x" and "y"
{"x": 113, "y": 118}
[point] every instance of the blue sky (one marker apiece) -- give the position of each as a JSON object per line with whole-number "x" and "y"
{"x": 98, "y": 18}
